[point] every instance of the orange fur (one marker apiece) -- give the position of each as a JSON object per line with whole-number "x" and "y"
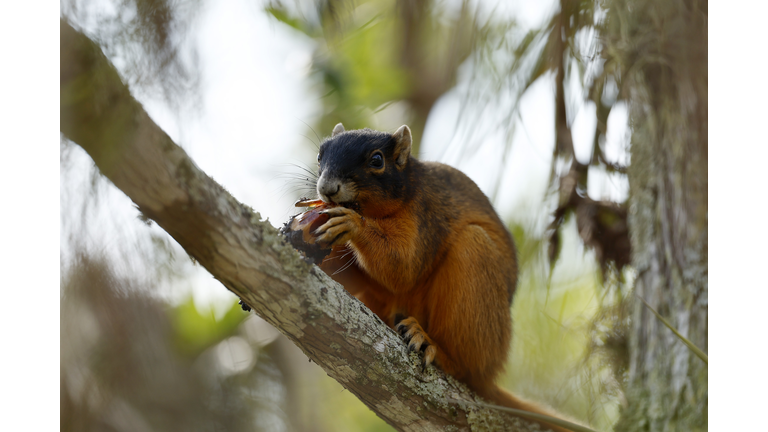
{"x": 440, "y": 258}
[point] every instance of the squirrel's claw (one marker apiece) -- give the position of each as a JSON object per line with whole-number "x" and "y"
{"x": 417, "y": 340}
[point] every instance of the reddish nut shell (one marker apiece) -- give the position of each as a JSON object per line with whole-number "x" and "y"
{"x": 309, "y": 221}
{"x": 299, "y": 230}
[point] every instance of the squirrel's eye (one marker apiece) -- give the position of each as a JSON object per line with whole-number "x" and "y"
{"x": 377, "y": 161}
{"x": 318, "y": 158}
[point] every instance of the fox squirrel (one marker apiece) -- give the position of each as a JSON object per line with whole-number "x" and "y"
{"x": 421, "y": 246}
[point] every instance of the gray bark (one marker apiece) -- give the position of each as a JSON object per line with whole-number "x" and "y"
{"x": 666, "y": 80}
{"x": 246, "y": 254}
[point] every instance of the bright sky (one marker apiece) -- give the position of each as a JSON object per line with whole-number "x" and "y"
{"x": 257, "y": 100}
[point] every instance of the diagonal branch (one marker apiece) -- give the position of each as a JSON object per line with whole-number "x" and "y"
{"x": 246, "y": 254}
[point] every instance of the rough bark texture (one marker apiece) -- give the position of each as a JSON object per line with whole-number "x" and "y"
{"x": 662, "y": 47}
{"x": 246, "y": 254}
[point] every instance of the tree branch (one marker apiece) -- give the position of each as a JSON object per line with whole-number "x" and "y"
{"x": 247, "y": 255}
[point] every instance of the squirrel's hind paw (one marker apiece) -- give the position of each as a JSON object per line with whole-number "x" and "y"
{"x": 417, "y": 339}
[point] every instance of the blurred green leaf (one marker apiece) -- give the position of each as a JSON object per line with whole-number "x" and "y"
{"x": 196, "y": 331}
{"x": 282, "y": 16}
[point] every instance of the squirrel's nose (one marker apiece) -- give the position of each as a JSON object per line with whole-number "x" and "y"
{"x": 328, "y": 188}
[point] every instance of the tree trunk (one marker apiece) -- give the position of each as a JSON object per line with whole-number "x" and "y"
{"x": 665, "y": 77}
{"x": 246, "y": 254}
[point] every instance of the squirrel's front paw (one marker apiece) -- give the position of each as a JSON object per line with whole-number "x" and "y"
{"x": 343, "y": 226}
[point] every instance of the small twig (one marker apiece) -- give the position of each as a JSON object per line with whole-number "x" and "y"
{"x": 696, "y": 350}
{"x": 610, "y": 166}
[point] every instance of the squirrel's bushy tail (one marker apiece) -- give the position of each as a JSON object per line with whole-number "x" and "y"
{"x": 501, "y": 397}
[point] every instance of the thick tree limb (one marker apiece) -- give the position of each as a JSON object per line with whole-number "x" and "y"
{"x": 246, "y": 254}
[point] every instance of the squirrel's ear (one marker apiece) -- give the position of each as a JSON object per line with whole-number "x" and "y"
{"x": 339, "y": 128}
{"x": 403, "y": 145}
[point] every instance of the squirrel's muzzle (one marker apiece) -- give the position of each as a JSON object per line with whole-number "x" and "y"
{"x": 334, "y": 190}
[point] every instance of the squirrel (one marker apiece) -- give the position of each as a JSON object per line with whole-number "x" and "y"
{"x": 421, "y": 246}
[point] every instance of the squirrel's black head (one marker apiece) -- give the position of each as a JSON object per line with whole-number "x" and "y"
{"x": 366, "y": 169}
